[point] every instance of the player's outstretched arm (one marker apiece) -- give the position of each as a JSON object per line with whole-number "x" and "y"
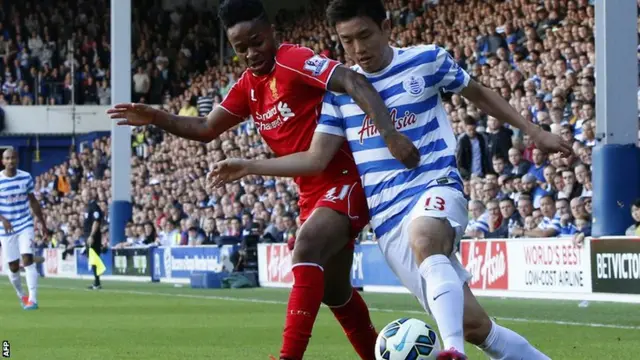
{"x": 493, "y": 104}
{"x": 202, "y": 129}
{"x": 311, "y": 162}
{"x": 368, "y": 99}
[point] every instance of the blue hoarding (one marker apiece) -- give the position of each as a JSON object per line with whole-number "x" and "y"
{"x": 375, "y": 270}
{"x": 180, "y": 262}
{"x": 82, "y": 262}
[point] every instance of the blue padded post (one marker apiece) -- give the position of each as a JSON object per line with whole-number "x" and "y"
{"x": 120, "y": 213}
{"x": 616, "y": 184}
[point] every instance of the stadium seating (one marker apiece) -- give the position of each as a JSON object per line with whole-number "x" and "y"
{"x": 539, "y": 56}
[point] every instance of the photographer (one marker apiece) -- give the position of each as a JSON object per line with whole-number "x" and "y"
{"x": 245, "y": 257}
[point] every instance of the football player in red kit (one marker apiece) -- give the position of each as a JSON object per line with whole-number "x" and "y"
{"x": 282, "y": 89}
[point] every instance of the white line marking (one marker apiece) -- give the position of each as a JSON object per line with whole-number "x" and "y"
{"x": 276, "y": 302}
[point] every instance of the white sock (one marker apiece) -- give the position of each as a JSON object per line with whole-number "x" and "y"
{"x": 445, "y": 298}
{"x": 505, "y": 344}
{"x": 32, "y": 282}
{"x": 16, "y": 281}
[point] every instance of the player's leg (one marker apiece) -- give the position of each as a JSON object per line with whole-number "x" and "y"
{"x": 11, "y": 254}
{"x": 434, "y": 227}
{"x": 431, "y": 240}
{"x": 320, "y": 238}
{"x": 25, "y": 240}
{"x": 497, "y": 342}
{"x": 97, "y": 247}
{"x": 347, "y": 305}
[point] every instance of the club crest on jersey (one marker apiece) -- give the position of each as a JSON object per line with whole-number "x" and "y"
{"x": 414, "y": 85}
{"x": 316, "y": 65}
{"x": 369, "y": 129}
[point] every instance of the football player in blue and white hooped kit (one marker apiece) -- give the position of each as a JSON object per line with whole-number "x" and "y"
{"x": 17, "y": 202}
{"x": 418, "y": 215}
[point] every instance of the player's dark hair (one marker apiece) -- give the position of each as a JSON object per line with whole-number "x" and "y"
{"x": 343, "y": 10}
{"x": 233, "y": 12}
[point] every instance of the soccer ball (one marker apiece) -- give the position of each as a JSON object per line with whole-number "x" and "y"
{"x": 407, "y": 339}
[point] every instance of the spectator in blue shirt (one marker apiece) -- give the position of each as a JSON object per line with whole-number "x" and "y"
{"x": 530, "y": 186}
{"x": 539, "y": 162}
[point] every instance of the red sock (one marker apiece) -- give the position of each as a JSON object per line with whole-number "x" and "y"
{"x": 356, "y": 323}
{"x": 304, "y": 303}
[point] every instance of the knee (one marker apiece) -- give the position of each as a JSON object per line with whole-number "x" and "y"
{"x": 431, "y": 236}
{"x": 428, "y": 243}
{"x": 335, "y": 296}
{"x": 14, "y": 267}
{"x": 476, "y": 329}
{"x": 308, "y": 246}
{"x": 27, "y": 260}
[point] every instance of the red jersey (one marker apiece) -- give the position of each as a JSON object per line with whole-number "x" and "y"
{"x": 285, "y": 105}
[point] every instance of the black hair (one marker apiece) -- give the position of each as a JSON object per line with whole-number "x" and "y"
{"x": 343, "y": 10}
{"x": 548, "y": 196}
{"x": 508, "y": 199}
{"x": 232, "y": 12}
{"x": 468, "y": 120}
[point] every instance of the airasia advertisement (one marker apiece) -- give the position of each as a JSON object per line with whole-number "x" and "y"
{"x": 520, "y": 265}
{"x": 487, "y": 262}
{"x": 274, "y": 261}
{"x": 545, "y": 265}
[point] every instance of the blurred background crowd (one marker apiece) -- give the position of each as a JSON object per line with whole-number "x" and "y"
{"x": 539, "y": 55}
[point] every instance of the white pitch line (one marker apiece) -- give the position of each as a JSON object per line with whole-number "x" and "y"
{"x": 276, "y": 302}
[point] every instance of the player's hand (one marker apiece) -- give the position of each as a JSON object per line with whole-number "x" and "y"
{"x": 226, "y": 171}
{"x": 403, "y": 149}
{"x": 551, "y": 143}
{"x": 44, "y": 234}
{"x": 133, "y": 114}
{"x": 8, "y": 228}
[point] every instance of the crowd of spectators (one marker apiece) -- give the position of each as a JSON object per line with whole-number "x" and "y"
{"x": 539, "y": 55}
{"x": 59, "y": 52}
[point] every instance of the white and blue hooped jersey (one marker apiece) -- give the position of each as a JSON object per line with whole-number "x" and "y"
{"x": 14, "y": 200}
{"x": 410, "y": 87}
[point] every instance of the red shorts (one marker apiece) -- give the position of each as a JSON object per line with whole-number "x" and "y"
{"x": 346, "y": 198}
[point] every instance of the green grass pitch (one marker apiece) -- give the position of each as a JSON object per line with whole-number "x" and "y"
{"x": 160, "y": 321}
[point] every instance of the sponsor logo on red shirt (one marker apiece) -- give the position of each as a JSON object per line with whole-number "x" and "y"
{"x": 487, "y": 261}
{"x": 274, "y": 117}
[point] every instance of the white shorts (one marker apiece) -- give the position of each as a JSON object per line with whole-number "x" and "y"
{"x": 445, "y": 203}
{"x": 14, "y": 245}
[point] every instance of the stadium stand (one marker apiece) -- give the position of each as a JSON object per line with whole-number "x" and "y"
{"x": 538, "y": 55}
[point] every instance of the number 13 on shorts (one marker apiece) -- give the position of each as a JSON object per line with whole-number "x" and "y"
{"x": 434, "y": 203}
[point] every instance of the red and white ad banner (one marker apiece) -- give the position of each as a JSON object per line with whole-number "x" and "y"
{"x": 274, "y": 263}
{"x": 55, "y": 266}
{"x": 488, "y": 263}
{"x": 536, "y": 265}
